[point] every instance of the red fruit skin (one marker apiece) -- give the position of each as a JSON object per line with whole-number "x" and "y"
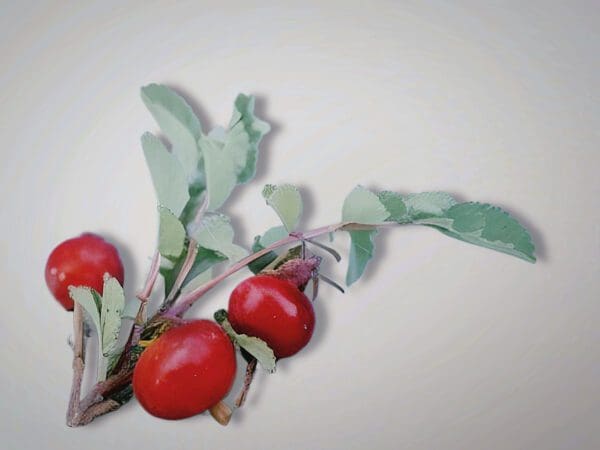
{"x": 274, "y": 310}
{"x": 81, "y": 261}
{"x": 187, "y": 370}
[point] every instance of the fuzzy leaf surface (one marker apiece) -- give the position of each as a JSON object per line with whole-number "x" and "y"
{"x": 364, "y": 207}
{"x": 168, "y": 175}
{"x": 253, "y": 345}
{"x": 171, "y": 234}
{"x": 486, "y": 226}
{"x": 362, "y": 247}
{"x": 395, "y": 206}
{"x": 287, "y": 203}
{"x": 178, "y": 122}
{"x": 90, "y": 301}
{"x": 113, "y": 303}
{"x": 230, "y": 155}
{"x": 428, "y": 204}
{"x": 215, "y": 232}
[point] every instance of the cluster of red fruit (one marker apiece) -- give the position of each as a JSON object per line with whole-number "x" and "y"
{"x": 191, "y": 367}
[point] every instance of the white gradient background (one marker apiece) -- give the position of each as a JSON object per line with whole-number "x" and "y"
{"x": 442, "y": 345}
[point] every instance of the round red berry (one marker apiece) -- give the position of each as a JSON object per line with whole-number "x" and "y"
{"x": 187, "y": 370}
{"x": 274, "y": 310}
{"x": 81, "y": 261}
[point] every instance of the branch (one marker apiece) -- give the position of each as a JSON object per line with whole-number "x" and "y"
{"x": 184, "y": 302}
{"x": 78, "y": 365}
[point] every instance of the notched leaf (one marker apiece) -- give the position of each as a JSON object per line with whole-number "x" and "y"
{"x": 253, "y": 345}
{"x": 171, "y": 234}
{"x": 287, "y": 203}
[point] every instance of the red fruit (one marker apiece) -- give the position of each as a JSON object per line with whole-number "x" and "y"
{"x": 187, "y": 370}
{"x": 81, "y": 261}
{"x": 274, "y": 310}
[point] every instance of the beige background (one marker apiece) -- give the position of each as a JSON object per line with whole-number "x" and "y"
{"x": 442, "y": 345}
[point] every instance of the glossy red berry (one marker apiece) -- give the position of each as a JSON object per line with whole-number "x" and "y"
{"x": 187, "y": 370}
{"x": 81, "y": 261}
{"x": 274, "y": 310}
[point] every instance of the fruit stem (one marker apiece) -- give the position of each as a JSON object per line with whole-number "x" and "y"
{"x": 221, "y": 413}
{"x": 250, "y": 369}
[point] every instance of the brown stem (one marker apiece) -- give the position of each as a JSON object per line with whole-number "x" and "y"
{"x": 140, "y": 317}
{"x": 78, "y": 365}
{"x": 221, "y": 413}
{"x": 96, "y": 410}
{"x": 104, "y": 388}
{"x": 250, "y": 369}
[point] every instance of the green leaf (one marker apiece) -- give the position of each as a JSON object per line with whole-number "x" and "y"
{"x": 245, "y": 133}
{"x": 197, "y": 281}
{"x": 171, "y": 234}
{"x": 487, "y": 226}
{"x": 221, "y": 176}
{"x": 113, "y": 303}
{"x": 168, "y": 175}
{"x": 362, "y": 247}
{"x": 287, "y": 203}
{"x": 273, "y": 235}
{"x": 230, "y": 155}
{"x": 253, "y": 345}
{"x": 362, "y": 206}
{"x": 394, "y": 204}
{"x": 90, "y": 301}
{"x": 178, "y": 122}
{"x": 205, "y": 259}
{"x": 428, "y": 204}
{"x": 214, "y": 232}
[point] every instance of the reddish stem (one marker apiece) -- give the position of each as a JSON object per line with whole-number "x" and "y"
{"x": 184, "y": 302}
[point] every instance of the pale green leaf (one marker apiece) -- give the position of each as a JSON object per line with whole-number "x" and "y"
{"x": 253, "y": 345}
{"x": 362, "y": 247}
{"x": 214, "y": 232}
{"x": 90, "y": 301}
{"x": 220, "y": 172}
{"x": 428, "y": 204}
{"x": 168, "y": 176}
{"x": 198, "y": 280}
{"x": 171, "y": 234}
{"x": 487, "y": 226}
{"x": 395, "y": 206}
{"x": 178, "y": 122}
{"x": 362, "y": 206}
{"x": 244, "y": 134}
{"x": 287, "y": 203}
{"x": 273, "y": 235}
{"x": 204, "y": 260}
{"x": 113, "y": 303}
{"x": 230, "y": 155}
